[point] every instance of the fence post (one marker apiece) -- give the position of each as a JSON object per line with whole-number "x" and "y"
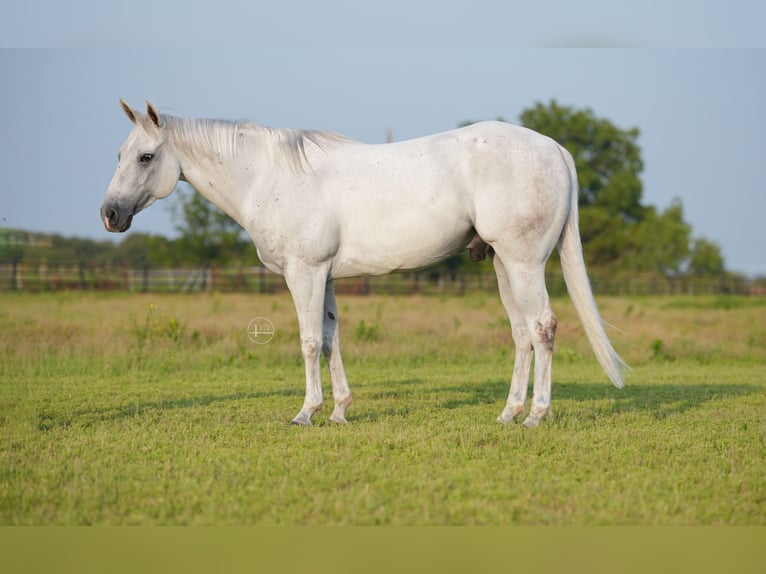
{"x": 14, "y": 270}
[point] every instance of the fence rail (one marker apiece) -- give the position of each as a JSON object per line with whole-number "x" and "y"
{"x": 36, "y": 278}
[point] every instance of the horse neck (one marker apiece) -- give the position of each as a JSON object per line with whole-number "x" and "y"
{"x": 215, "y": 162}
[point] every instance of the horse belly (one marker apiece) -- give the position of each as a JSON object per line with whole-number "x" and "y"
{"x": 407, "y": 239}
{"x": 399, "y": 207}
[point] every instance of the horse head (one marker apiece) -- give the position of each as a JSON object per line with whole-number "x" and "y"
{"x": 148, "y": 169}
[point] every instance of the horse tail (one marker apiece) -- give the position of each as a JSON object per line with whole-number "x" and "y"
{"x": 578, "y": 285}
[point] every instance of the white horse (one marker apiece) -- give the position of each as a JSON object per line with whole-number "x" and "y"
{"x": 319, "y": 207}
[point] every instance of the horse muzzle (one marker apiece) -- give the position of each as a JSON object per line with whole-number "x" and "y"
{"x": 115, "y": 220}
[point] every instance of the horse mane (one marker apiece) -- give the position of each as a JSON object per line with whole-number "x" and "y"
{"x": 285, "y": 147}
{"x": 288, "y": 146}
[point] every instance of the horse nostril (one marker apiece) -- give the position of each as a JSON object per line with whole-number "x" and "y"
{"x": 111, "y": 215}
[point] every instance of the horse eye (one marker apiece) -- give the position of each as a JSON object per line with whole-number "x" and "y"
{"x": 146, "y": 158}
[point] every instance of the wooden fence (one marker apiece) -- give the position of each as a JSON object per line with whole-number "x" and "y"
{"x": 37, "y": 278}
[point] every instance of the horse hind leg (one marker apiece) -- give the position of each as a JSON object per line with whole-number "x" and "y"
{"x": 523, "y": 360}
{"x": 527, "y": 283}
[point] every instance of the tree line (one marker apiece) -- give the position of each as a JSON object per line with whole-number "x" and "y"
{"x": 619, "y": 232}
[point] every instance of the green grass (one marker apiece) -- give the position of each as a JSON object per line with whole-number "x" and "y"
{"x": 131, "y": 409}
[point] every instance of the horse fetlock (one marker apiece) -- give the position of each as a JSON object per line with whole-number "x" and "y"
{"x": 339, "y": 412}
{"x": 343, "y": 402}
{"x": 509, "y": 413}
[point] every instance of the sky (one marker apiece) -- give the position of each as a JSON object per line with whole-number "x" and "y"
{"x": 363, "y": 68}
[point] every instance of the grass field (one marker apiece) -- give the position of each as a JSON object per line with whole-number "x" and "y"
{"x": 147, "y": 409}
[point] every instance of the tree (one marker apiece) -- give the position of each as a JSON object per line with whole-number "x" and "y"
{"x": 207, "y": 234}
{"x": 659, "y": 242}
{"x": 706, "y": 258}
{"x": 609, "y": 164}
{"x": 139, "y": 249}
{"x": 608, "y": 159}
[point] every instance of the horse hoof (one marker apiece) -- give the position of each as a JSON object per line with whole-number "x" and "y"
{"x": 300, "y": 422}
{"x": 338, "y": 420}
{"x": 531, "y": 422}
{"x": 510, "y": 413}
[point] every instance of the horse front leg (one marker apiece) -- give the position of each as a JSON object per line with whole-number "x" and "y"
{"x": 331, "y": 350}
{"x": 307, "y": 287}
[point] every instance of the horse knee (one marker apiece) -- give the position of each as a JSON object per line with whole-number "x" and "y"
{"x": 310, "y": 348}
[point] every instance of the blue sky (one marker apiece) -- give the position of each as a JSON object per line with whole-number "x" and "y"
{"x": 363, "y": 69}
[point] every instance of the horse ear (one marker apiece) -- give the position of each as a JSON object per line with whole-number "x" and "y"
{"x": 153, "y": 114}
{"x": 130, "y": 112}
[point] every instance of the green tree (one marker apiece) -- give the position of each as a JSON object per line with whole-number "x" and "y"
{"x": 659, "y": 242}
{"x": 608, "y": 159}
{"x": 132, "y": 251}
{"x": 617, "y": 229}
{"x": 609, "y": 165}
{"x": 207, "y": 235}
{"x": 139, "y": 249}
{"x": 706, "y": 257}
